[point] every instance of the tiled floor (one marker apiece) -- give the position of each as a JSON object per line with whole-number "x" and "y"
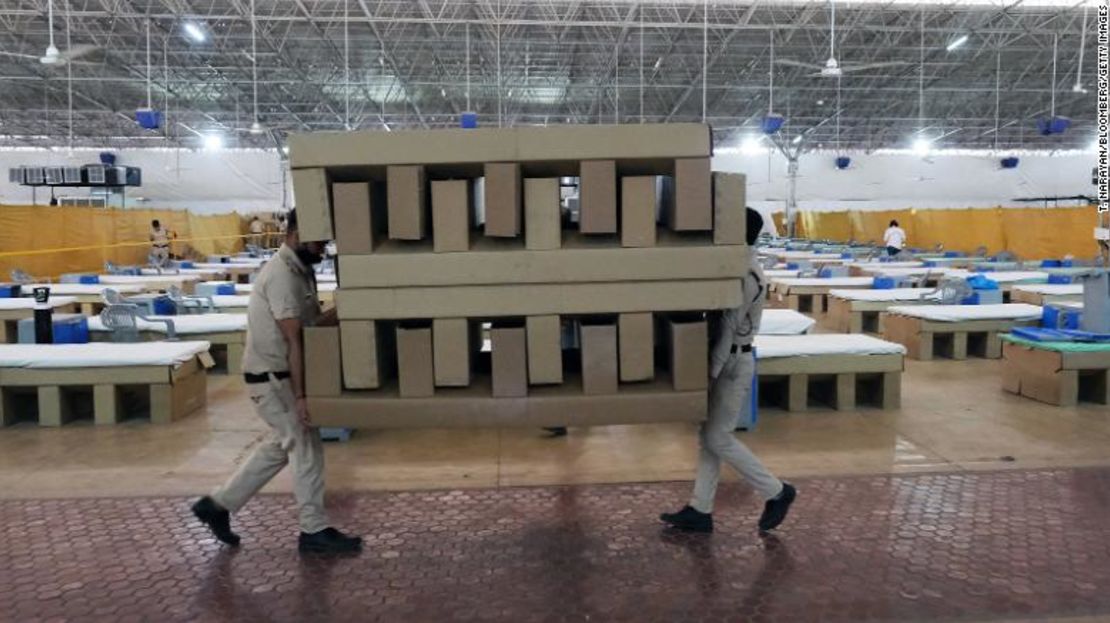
{"x": 1014, "y": 545}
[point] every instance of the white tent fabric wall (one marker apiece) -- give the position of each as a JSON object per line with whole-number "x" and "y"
{"x": 201, "y": 181}
{"x": 895, "y": 181}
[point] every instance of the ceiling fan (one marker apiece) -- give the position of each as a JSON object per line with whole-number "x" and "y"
{"x": 53, "y": 56}
{"x": 832, "y": 67}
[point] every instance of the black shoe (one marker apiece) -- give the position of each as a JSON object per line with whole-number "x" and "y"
{"x": 329, "y": 541}
{"x": 557, "y": 431}
{"x": 216, "y": 518}
{"x": 774, "y": 512}
{"x": 689, "y": 519}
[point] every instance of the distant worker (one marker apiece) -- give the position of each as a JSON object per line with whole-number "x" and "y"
{"x": 732, "y": 369}
{"x": 256, "y": 230}
{"x": 282, "y": 302}
{"x": 159, "y": 243}
{"x": 894, "y": 238}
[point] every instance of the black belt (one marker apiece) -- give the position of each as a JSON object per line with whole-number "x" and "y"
{"x": 746, "y": 348}
{"x": 264, "y": 377}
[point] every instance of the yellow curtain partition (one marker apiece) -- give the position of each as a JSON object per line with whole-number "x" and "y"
{"x": 1030, "y": 233}
{"x": 40, "y": 228}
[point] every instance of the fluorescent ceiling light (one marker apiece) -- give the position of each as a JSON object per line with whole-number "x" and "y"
{"x": 195, "y": 32}
{"x": 957, "y": 42}
{"x": 922, "y": 146}
{"x": 752, "y": 145}
{"x": 797, "y": 139}
{"x": 658, "y": 63}
{"x": 213, "y": 142}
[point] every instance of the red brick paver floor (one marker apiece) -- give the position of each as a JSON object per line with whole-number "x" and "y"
{"x": 979, "y": 546}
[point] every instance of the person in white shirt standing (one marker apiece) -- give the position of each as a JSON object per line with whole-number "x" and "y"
{"x": 894, "y": 238}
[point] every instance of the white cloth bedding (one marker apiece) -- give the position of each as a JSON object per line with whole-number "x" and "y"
{"x": 29, "y": 303}
{"x": 188, "y": 324}
{"x": 231, "y": 300}
{"x": 78, "y": 289}
{"x": 784, "y": 322}
{"x": 222, "y": 268}
{"x": 1052, "y": 289}
{"x": 98, "y": 354}
{"x": 832, "y": 282}
{"x": 143, "y": 279}
{"x": 780, "y": 273}
{"x": 775, "y": 346}
{"x": 199, "y": 273}
{"x": 907, "y": 271}
{"x": 958, "y": 313}
{"x": 867, "y": 265}
{"x": 326, "y": 278}
{"x": 1006, "y": 276}
{"x": 245, "y": 288}
{"x": 878, "y": 296}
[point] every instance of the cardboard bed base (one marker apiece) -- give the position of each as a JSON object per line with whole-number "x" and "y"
{"x": 848, "y": 316}
{"x": 173, "y": 392}
{"x": 1040, "y": 299}
{"x": 491, "y": 301}
{"x": 841, "y": 381}
{"x": 566, "y": 265}
{"x": 475, "y": 407}
{"x": 926, "y": 339}
{"x": 1062, "y": 379}
{"x": 229, "y": 343}
{"x": 812, "y": 300}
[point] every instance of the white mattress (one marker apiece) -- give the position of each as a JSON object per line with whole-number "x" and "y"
{"x": 188, "y": 324}
{"x": 142, "y": 279}
{"x": 908, "y": 271}
{"x": 784, "y": 322}
{"x": 75, "y": 289}
{"x": 779, "y": 273}
{"x": 199, "y": 273}
{"x": 221, "y": 268}
{"x": 325, "y": 278}
{"x": 246, "y": 261}
{"x": 98, "y": 354}
{"x": 246, "y": 288}
{"x": 231, "y": 300}
{"x": 29, "y": 303}
{"x": 957, "y": 313}
{"x": 775, "y": 346}
{"x": 879, "y": 296}
{"x": 1052, "y": 289}
{"x": 1069, "y": 304}
{"x": 1006, "y": 276}
{"x": 832, "y": 282}
{"x": 877, "y": 265}
{"x": 806, "y": 255}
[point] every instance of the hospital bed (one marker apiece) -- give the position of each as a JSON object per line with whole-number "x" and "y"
{"x": 1047, "y": 293}
{"x": 224, "y": 332}
{"x": 785, "y": 322}
{"x": 1058, "y": 373}
{"x": 808, "y": 295}
{"x": 90, "y": 296}
{"x": 860, "y": 311}
{"x": 955, "y": 330}
{"x": 171, "y": 377}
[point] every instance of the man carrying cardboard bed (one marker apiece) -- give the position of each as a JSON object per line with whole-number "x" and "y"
{"x": 731, "y": 369}
{"x": 283, "y": 302}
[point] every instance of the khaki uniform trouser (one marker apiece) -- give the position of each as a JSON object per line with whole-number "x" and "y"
{"x": 288, "y": 440}
{"x": 727, "y": 393}
{"x": 159, "y": 255}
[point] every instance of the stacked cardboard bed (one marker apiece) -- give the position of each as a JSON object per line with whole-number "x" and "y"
{"x": 452, "y": 239}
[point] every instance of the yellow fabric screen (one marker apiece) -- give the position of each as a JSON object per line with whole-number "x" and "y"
{"x": 40, "y": 228}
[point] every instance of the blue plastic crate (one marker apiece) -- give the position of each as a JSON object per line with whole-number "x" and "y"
{"x": 68, "y": 329}
{"x": 10, "y": 290}
{"x": 1050, "y": 263}
{"x": 89, "y": 279}
{"x": 227, "y": 289}
{"x": 883, "y": 283}
{"x": 468, "y": 120}
{"x": 1059, "y": 279}
{"x": 186, "y": 265}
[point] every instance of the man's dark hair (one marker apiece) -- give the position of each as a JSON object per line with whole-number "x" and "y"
{"x": 291, "y": 221}
{"x": 155, "y": 224}
{"x": 755, "y": 225}
{"x": 893, "y": 223}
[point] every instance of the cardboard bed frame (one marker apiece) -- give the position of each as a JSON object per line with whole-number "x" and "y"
{"x": 1053, "y": 377}
{"x": 842, "y": 381}
{"x": 925, "y": 339}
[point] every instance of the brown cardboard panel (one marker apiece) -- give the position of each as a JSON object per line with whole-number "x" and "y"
{"x": 504, "y": 211}
{"x": 365, "y": 348}
{"x": 525, "y": 144}
{"x": 415, "y": 362}
{"x": 545, "y": 350}
{"x": 358, "y": 211}
{"x": 509, "y": 352}
{"x": 598, "y": 197}
{"x": 453, "y": 351}
{"x": 636, "y": 339}
{"x": 542, "y": 214}
{"x": 536, "y": 299}
{"x": 451, "y": 215}
{"x": 692, "y": 208}
{"x": 323, "y": 368}
{"x": 406, "y": 202}
{"x": 567, "y": 265}
{"x": 831, "y": 364}
{"x": 599, "y": 358}
{"x": 730, "y": 198}
{"x": 639, "y": 204}
{"x": 312, "y": 198}
{"x": 472, "y": 407}
{"x": 688, "y": 343}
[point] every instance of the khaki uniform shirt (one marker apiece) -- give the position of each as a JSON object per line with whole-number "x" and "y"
{"x": 739, "y": 325}
{"x": 284, "y": 289}
{"x": 159, "y": 237}
{"x": 257, "y": 227}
